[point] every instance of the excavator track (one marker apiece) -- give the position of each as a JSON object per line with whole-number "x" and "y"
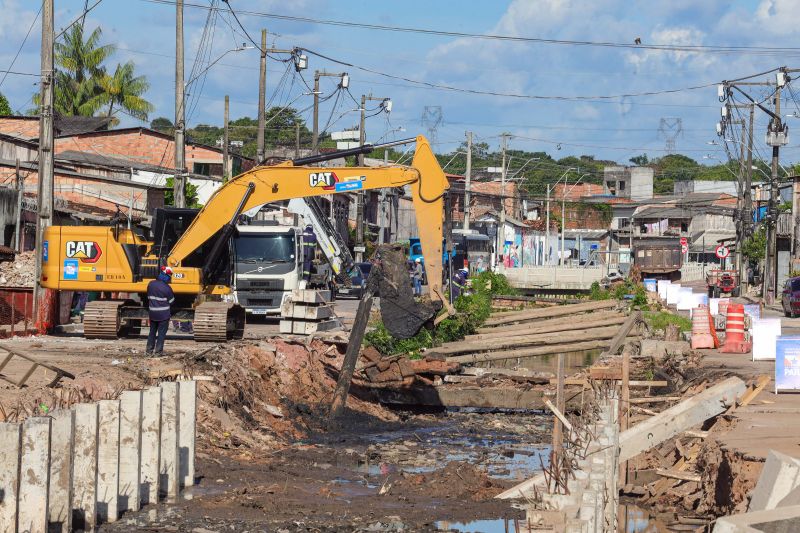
{"x": 101, "y": 319}
{"x": 218, "y": 322}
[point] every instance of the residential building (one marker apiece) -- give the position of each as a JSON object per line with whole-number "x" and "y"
{"x": 635, "y": 183}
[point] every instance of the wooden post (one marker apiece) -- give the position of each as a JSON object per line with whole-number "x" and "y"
{"x": 350, "y": 358}
{"x": 624, "y": 408}
{"x": 558, "y": 437}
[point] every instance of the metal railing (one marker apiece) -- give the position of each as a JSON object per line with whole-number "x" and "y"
{"x": 16, "y": 311}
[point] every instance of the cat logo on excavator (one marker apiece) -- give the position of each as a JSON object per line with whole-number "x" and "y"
{"x": 86, "y": 251}
{"x": 326, "y": 180}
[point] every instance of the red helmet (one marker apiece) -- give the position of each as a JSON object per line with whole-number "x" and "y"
{"x": 166, "y": 270}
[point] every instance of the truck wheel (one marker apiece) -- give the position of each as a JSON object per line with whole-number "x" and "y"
{"x": 711, "y": 292}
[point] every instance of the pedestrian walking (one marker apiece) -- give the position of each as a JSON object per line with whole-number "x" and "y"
{"x": 160, "y": 298}
{"x": 417, "y": 274}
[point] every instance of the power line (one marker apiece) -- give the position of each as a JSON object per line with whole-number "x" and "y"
{"x": 24, "y": 40}
{"x": 756, "y": 50}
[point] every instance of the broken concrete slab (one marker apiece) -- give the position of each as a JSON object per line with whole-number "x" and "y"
{"x": 678, "y": 418}
{"x": 657, "y": 348}
{"x": 780, "y": 520}
{"x": 780, "y": 476}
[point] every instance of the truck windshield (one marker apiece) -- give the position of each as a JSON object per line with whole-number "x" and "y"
{"x": 265, "y": 248}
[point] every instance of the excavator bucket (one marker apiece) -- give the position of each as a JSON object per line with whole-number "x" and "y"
{"x": 401, "y": 314}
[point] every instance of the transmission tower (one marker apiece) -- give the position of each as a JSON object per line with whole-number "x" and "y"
{"x": 432, "y": 119}
{"x": 670, "y": 128}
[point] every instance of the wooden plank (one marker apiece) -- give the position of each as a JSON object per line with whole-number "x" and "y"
{"x": 566, "y": 325}
{"x": 679, "y": 418}
{"x": 624, "y": 331}
{"x": 675, "y": 474}
{"x": 558, "y": 414}
{"x": 529, "y": 352}
{"x": 550, "y": 312}
{"x": 463, "y": 396}
{"x": 570, "y": 319}
{"x": 762, "y": 381}
{"x": 517, "y": 342}
{"x": 558, "y": 437}
{"x": 654, "y": 399}
{"x": 350, "y": 358}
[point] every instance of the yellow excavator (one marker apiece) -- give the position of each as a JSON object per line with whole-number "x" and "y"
{"x": 115, "y": 260}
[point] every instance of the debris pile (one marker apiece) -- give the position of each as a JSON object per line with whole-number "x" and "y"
{"x": 401, "y": 370}
{"x": 20, "y": 272}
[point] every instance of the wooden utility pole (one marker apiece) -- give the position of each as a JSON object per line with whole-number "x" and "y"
{"x": 501, "y": 231}
{"x": 467, "y": 178}
{"x": 262, "y": 94}
{"x": 20, "y": 196}
{"x": 178, "y": 185}
{"x": 315, "y": 132}
{"x": 44, "y": 199}
{"x": 226, "y": 163}
{"x": 558, "y": 432}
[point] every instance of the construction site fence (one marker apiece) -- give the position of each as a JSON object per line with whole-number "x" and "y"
{"x": 16, "y": 311}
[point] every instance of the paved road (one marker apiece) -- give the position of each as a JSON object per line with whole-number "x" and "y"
{"x": 261, "y": 326}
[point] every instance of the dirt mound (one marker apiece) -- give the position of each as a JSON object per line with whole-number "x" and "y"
{"x": 267, "y": 393}
{"x": 457, "y": 480}
{"x": 20, "y": 272}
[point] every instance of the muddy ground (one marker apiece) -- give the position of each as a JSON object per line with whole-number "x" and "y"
{"x": 413, "y": 473}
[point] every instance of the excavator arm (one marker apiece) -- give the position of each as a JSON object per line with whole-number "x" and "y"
{"x": 285, "y": 181}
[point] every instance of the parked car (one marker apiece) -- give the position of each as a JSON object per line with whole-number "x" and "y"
{"x": 790, "y": 298}
{"x": 358, "y": 281}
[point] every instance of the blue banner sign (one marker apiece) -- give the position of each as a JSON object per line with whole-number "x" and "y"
{"x": 787, "y": 363}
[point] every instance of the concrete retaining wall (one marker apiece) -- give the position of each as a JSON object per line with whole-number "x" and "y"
{"x": 85, "y": 466}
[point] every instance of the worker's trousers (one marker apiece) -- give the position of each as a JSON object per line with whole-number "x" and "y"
{"x": 155, "y": 339}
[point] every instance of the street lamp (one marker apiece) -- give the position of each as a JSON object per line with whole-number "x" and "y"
{"x": 237, "y": 49}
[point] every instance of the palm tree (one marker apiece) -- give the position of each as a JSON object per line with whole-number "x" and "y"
{"x": 125, "y": 90}
{"x": 77, "y": 80}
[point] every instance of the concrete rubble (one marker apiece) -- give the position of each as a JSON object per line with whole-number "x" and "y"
{"x": 20, "y": 272}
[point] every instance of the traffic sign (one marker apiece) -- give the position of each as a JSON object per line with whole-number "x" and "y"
{"x": 722, "y": 251}
{"x": 684, "y": 248}
{"x": 684, "y": 242}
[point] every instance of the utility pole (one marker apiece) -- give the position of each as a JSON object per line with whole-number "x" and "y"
{"x": 467, "y": 178}
{"x": 344, "y": 83}
{"x": 502, "y": 230}
{"x": 226, "y": 167}
{"x": 178, "y": 186}
{"x": 362, "y": 139}
{"x": 774, "y": 128}
{"x": 262, "y": 94}
{"x": 20, "y": 195}
{"x": 546, "y": 258}
{"x": 296, "y": 140}
{"x": 41, "y": 309}
{"x": 740, "y": 219}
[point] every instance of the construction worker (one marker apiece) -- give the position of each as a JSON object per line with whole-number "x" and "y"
{"x": 417, "y": 274}
{"x": 159, "y": 303}
{"x": 309, "y": 247}
{"x": 459, "y": 282}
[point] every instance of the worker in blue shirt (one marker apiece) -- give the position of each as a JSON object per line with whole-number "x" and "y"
{"x": 459, "y": 282}
{"x": 159, "y": 303}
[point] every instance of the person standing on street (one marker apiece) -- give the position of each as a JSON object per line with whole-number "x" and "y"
{"x": 159, "y": 303}
{"x": 459, "y": 283}
{"x": 417, "y": 274}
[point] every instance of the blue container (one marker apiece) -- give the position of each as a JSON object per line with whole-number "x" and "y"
{"x": 651, "y": 285}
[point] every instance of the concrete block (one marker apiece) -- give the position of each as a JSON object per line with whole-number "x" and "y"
{"x": 780, "y": 520}
{"x": 780, "y": 476}
{"x": 108, "y": 461}
{"x": 34, "y": 475}
{"x": 62, "y": 431}
{"x": 151, "y": 445}
{"x": 302, "y": 327}
{"x": 306, "y": 312}
{"x": 285, "y": 327}
{"x": 186, "y": 431}
{"x": 84, "y": 467}
{"x": 130, "y": 450}
{"x": 311, "y": 296}
{"x": 168, "y": 465}
{"x": 658, "y": 348}
{"x": 10, "y": 441}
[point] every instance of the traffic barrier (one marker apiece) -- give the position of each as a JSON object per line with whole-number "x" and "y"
{"x": 92, "y": 459}
{"x": 734, "y": 331}
{"x": 701, "y": 330}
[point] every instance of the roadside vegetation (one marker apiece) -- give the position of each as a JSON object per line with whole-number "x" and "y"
{"x": 661, "y": 319}
{"x": 634, "y": 292}
{"x": 471, "y": 312}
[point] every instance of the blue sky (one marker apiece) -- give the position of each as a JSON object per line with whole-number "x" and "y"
{"x": 613, "y": 129}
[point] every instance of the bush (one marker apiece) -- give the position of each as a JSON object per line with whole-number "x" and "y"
{"x": 620, "y": 291}
{"x": 471, "y": 311}
{"x": 660, "y": 320}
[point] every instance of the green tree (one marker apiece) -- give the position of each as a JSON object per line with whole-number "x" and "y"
{"x": 162, "y": 124}
{"x": 640, "y": 160}
{"x": 5, "y": 108}
{"x": 755, "y": 245}
{"x": 79, "y": 72}
{"x": 124, "y": 89}
{"x": 190, "y": 192}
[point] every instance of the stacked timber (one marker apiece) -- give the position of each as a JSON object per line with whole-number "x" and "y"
{"x": 551, "y": 330}
{"x": 308, "y": 311}
{"x": 385, "y": 370}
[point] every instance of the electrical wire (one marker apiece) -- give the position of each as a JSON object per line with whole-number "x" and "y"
{"x": 756, "y": 50}
{"x": 19, "y": 50}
